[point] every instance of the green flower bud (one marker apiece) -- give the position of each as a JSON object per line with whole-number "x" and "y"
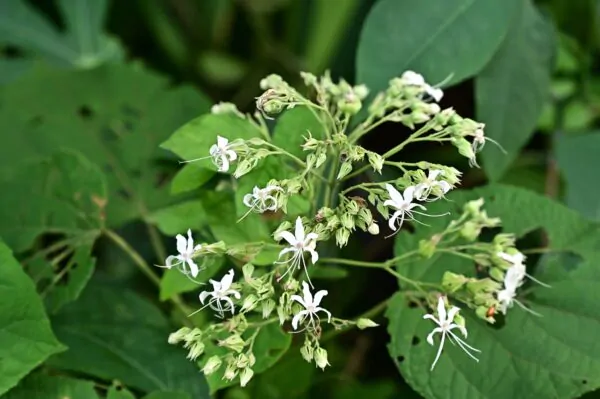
{"x": 321, "y": 158}
{"x": 212, "y": 364}
{"x": 427, "y": 248}
{"x": 230, "y": 372}
{"x": 311, "y": 160}
{"x": 342, "y": 236}
{"x": 464, "y": 147}
{"x": 419, "y": 117}
{"x": 497, "y": 274}
{"x": 196, "y": 350}
{"x": 248, "y": 270}
{"x": 243, "y": 167}
{"x": 242, "y": 361}
{"x": 267, "y": 307}
{"x": 350, "y": 104}
{"x": 485, "y": 285}
{"x": 347, "y": 221}
{"x": 345, "y": 169}
{"x": 470, "y": 231}
{"x": 363, "y": 323}
{"x": 246, "y": 376}
{"x": 376, "y": 161}
{"x": 307, "y": 351}
{"x": 179, "y": 335}
{"x": 453, "y": 282}
{"x": 249, "y": 303}
{"x": 484, "y": 313}
{"x": 332, "y": 223}
{"x": 473, "y": 208}
{"x": 233, "y": 342}
{"x": 320, "y": 355}
{"x": 309, "y": 78}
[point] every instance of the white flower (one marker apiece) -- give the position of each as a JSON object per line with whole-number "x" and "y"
{"x": 220, "y": 301}
{"x": 222, "y": 154}
{"x": 299, "y": 243}
{"x": 517, "y": 262}
{"x": 414, "y": 79}
{"x": 445, "y": 327}
{"x": 403, "y": 206}
{"x": 423, "y": 190}
{"x": 186, "y": 251}
{"x": 262, "y": 199}
{"x": 311, "y": 307}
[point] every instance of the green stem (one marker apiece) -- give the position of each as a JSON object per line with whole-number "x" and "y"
{"x": 147, "y": 270}
{"x": 374, "y": 311}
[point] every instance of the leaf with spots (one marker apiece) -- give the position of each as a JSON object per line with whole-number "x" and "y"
{"x": 523, "y": 356}
{"x": 115, "y": 115}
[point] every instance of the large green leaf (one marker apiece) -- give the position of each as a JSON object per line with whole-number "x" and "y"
{"x": 512, "y": 89}
{"x": 84, "y": 45}
{"x": 178, "y": 218}
{"x": 64, "y": 195}
{"x": 41, "y": 386}
{"x": 26, "y": 339}
{"x": 167, "y": 395}
{"x": 115, "y": 115}
{"x": 577, "y": 157}
{"x": 445, "y": 40}
{"x": 555, "y": 355}
{"x": 124, "y": 337}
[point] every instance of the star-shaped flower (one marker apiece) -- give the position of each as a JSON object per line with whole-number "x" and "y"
{"x": 425, "y": 189}
{"x": 186, "y": 251}
{"x": 262, "y": 199}
{"x": 220, "y": 301}
{"x": 222, "y": 154}
{"x": 445, "y": 322}
{"x": 299, "y": 244}
{"x": 311, "y": 307}
{"x": 415, "y": 79}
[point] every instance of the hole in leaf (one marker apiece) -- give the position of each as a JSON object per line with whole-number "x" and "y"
{"x": 413, "y": 304}
{"x": 36, "y": 120}
{"x": 85, "y": 112}
{"x": 415, "y": 341}
{"x": 584, "y": 382}
{"x": 11, "y": 52}
{"x": 121, "y": 192}
{"x": 401, "y": 359}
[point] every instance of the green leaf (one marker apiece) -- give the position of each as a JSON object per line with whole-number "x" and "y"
{"x": 292, "y": 378}
{"x": 513, "y": 88}
{"x": 190, "y": 177}
{"x": 41, "y": 386}
{"x": 329, "y": 272}
{"x": 118, "y": 391}
{"x": 293, "y": 126}
{"x": 26, "y": 339}
{"x": 177, "y": 219}
{"x": 167, "y": 395}
{"x": 270, "y": 345}
{"x": 84, "y": 45}
{"x": 174, "y": 282}
{"x": 577, "y": 156}
{"x": 115, "y": 115}
{"x": 444, "y": 40}
{"x": 555, "y": 355}
{"x": 124, "y": 338}
{"x": 194, "y": 139}
{"x": 66, "y": 196}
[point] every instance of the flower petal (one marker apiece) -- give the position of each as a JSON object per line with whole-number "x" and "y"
{"x": 181, "y": 244}
{"x": 308, "y": 298}
{"x": 224, "y": 164}
{"x": 319, "y": 296}
{"x": 441, "y": 310}
{"x": 299, "y": 233}
{"x": 324, "y": 311}
{"x": 298, "y": 299}
{"x": 314, "y": 255}
{"x": 193, "y": 267}
{"x": 289, "y": 237}
{"x": 297, "y": 318}
{"x": 409, "y": 194}
{"x": 203, "y": 296}
{"x": 222, "y": 142}
{"x": 394, "y": 194}
{"x": 452, "y": 313}
{"x": 392, "y": 221}
{"x": 227, "y": 280}
{"x": 170, "y": 259}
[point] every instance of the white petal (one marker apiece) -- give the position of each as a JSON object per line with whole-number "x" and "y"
{"x": 222, "y": 142}
{"x": 308, "y": 298}
{"x": 297, "y": 318}
{"x": 227, "y": 280}
{"x": 286, "y": 250}
{"x": 190, "y": 242}
{"x": 434, "y": 173}
{"x": 441, "y": 310}
{"x": 298, "y": 299}
{"x": 248, "y": 198}
{"x": 181, "y": 244}
{"x": 203, "y": 296}
{"x": 170, "y": 259}
{"x": 392, "y": 221}
{"x": 318, "y": 297}
{"x": 299, "y": 233}
{"x": 230, "y": 302}
{"x": 314, "y": 256}
{"x": 409, "y": 194}
{"x": 394, "y": 194}
{"x": 214, "y": 149}
{"x": 232, "y": 155}
{"x": 289, "y": 237}
{"x": 452, "y": 313}
{"x": 325, "y": 311}
{"x": 224, "y": 164}
{"x": 193, "y": 267}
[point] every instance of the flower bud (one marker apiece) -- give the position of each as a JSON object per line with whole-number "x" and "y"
{"x": 233, "y": 342}
{"x": 332, "y": 223}
{"x": 196, "y": 350}
{"x": 473, "y": 208}
{"x": 251, "y": 359}
{"x": 483, "y": 312}
{"x": 272, "y": 81}
{"x": 350, "y": 104}
{"x": 321, "y": 158}
{"x": 230, "y": 372}
{"x": 248, "y": 270}
{"x": 464, "y": 147}
{"x": 307, "y": 351}
{"x": 347, "y": 221}
{"x": 453, "y": 282}
{"x": 342, "y": 236}
{"x": 309, "y": 78}
{"x": 292, "y": 285}
{"x": 241, "y": 361}
{"x": 243, "y": 167}
{"x": 212, "y": 364}
{"x": 470, "y": 231}
{"x": 485, "y": 285}
{"x": 345, "y": 169}
{"x": 419, "y": 117}
{"x": 427, "y": 248}
{"x": 249, "y": 303}
{"x": 376, "y": 161}
{"x": 179, "y": 335}
{"x": 320, "y": 355}
{"x": 267, "y": 307}
{"x": 373, "y": 229}
{"x": 497, "y": 274}
{"x": 364, "y": 323}
{"x": 246, "y": 376}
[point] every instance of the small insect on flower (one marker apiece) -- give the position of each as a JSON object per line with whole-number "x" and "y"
{"x": 299, "y": 243}
{"x": 184, "y": 260}
{"x": 311, "y": 308}
{"x": 445, "y": 327}
{"x": 220, "y": 301}
{"x": 262, "y": 199}
{"x": 432, "y": 186}
{"x": 222, "y": 154}
{"x": 403, "y": 206}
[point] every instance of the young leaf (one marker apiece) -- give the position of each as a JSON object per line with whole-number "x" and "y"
{"x": 444, "y": 40}
{"x": 512, "y": 89}
{"x": 527, "y": 353}
{"x": 124, "y": 338}
{"x": 190, "y": 177}
{"x": 115, "y": 115}
{"x": 37, "y": 384}
{"x": 26, "y": 339}
{"x": 85, "y": 45}
{"x": 576, "y": 156}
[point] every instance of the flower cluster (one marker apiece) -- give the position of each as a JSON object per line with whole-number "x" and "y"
{"x": 284, "y": 292}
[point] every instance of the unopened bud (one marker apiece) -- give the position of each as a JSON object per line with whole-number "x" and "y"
{"x": 342, "y": 236}
{"x": 230, "y": 372}
{"x": 453, "y": 282}
{"x": 243, "y": 167}
{"x": 179, "y": 335}
{"x": 212, "y": 365}
{"x": 320, "y": 355}
{"x": 363, "y": 323}
{"x": 373, "y": 229}
{"x": 347, "y": 221}
{"x": 345, "y": 169}
{"x": 483, "y": 312}
{"x": 376, "y": 161}
{"x": 497, "y": 274}
{"x": 233, "y": 342}
{"x": 248, "y": 270}
{"x": 246, "y": 376}
{"x": 321, "y": 158}
{"x": 196, "y": 350}
{"x": 307, "y": 351}
{"x": 249, "y": 303}
{"x": 470, "y": 231}
{"x": 427, "y": 248}
{"x": 267, "y": 307}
